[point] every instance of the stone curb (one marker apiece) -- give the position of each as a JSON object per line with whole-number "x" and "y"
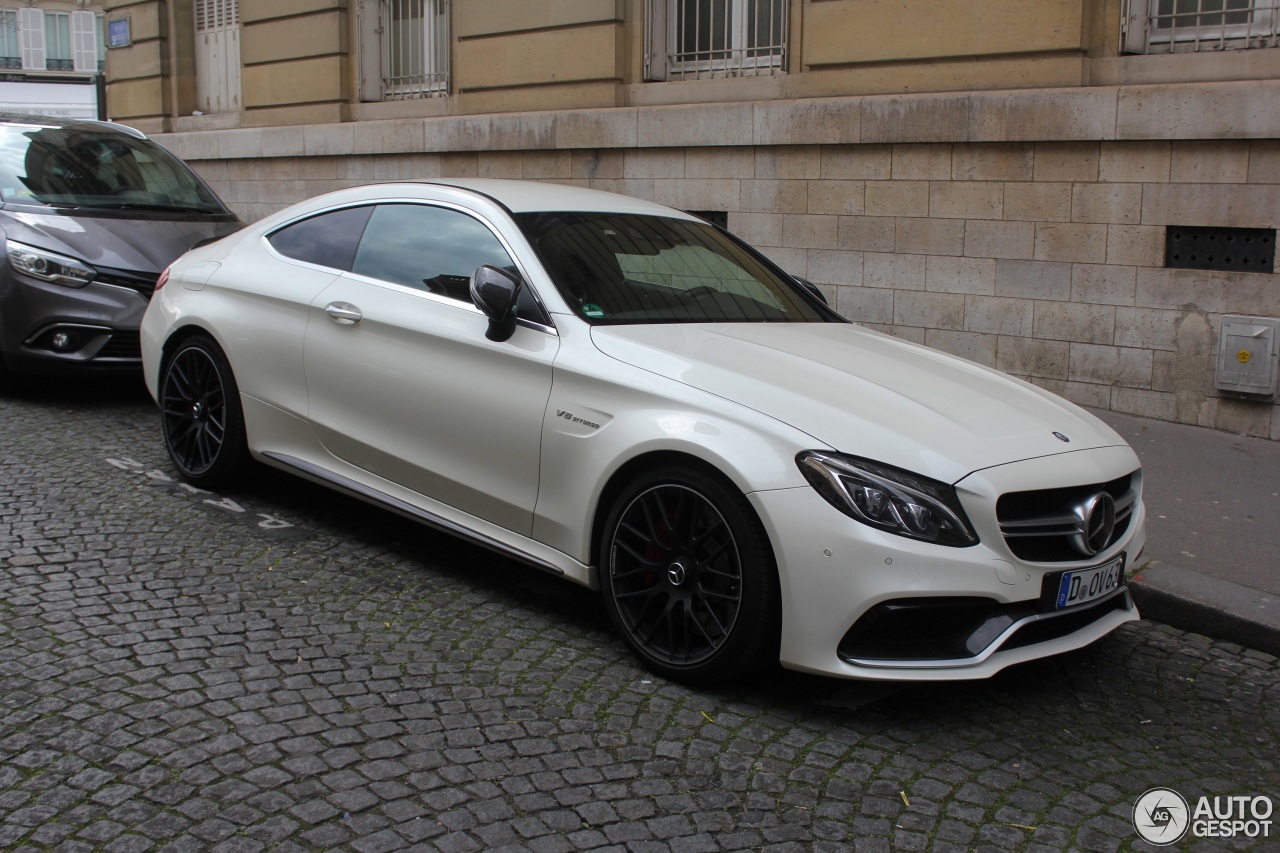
{"x": 1206, "y": 605}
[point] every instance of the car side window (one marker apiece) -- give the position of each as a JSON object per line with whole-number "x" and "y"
{"x": 328, "y": 240}
{"x": 429, "y": 248}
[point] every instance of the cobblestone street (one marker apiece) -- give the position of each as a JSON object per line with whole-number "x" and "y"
{"x": 282, "y": 668}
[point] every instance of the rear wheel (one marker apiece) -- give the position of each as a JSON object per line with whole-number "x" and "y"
{"x": 201, "y": 414}
{"x": 688, "y": 577}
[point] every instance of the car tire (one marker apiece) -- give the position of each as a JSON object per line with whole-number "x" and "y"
{"x": 688, "y": 577}
{"x": 201, "y": 414}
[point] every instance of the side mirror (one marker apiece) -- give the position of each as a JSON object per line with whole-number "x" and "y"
{"x": 496, "y": 291}
{"x": 813, "y": 289}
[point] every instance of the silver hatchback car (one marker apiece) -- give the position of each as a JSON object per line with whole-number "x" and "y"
{"x": 90, "y": 213}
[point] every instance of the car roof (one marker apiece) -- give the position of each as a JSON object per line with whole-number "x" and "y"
{"x": 539, "y": 197}
{"x": 59, "y": 121}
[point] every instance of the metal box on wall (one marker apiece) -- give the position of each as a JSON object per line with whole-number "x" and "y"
{"x": 1247, "y": 356}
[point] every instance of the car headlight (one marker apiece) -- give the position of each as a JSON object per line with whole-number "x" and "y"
{"x": 889, "y": 498}
{"x": 48, "y": 266}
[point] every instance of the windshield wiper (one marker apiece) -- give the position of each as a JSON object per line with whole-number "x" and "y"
{"x": 173, "y": 208}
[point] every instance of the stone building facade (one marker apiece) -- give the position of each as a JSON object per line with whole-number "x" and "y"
{"x": 994, "y": 178}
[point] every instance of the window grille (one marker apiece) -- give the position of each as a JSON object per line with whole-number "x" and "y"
{"x": 1178, "y": 26}
{"x": 696, "y": 39}
{"x": 415, "y": 48}
{"x": 216, "y": 15}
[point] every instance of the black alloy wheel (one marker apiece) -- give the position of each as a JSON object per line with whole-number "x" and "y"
{"x": 688, "y": 577}
{"x": 201, "y": 414}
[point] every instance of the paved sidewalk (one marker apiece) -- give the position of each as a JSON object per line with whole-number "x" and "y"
{"x": 1213, "y": 530}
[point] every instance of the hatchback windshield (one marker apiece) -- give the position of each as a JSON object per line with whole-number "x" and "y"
{"x": 629, "y": 268}
{"x": 85, "y": 166}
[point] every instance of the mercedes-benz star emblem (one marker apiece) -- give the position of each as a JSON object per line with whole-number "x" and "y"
{"x": 1096, "y": 520}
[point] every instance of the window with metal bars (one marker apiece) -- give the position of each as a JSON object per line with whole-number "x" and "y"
{"x": 415, "y": 48}
{"x": 695, "y": 39}
{"x": 1178, "y": 26}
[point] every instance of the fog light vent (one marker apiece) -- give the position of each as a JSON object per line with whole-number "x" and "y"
{"x": 61, "y": 340}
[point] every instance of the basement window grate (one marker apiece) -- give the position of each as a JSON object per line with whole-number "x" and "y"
{"x": 1226, "y": 249}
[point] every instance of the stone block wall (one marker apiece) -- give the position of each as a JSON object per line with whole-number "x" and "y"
{"x": 948, "y": 221}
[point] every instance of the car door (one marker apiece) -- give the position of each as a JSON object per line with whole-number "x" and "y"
{"x": 402, "y": 381}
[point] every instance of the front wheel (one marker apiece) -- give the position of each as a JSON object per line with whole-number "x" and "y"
{"x": 201, "y": 414}
{"x": 688, "y": 577}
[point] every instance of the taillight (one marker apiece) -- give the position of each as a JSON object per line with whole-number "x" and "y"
{"x": 164, "y": 277}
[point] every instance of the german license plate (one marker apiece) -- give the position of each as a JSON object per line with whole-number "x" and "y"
{"x": 1085, "y": 585}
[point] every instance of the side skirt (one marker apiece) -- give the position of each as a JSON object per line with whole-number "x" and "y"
{"x": 444, "y": 525}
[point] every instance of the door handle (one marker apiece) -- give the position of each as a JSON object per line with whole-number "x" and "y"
{"x": 343, "y": 312}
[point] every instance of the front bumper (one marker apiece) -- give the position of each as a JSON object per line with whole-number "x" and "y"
{"x": 837, "y": 574}
{"x": 50, "y": 329}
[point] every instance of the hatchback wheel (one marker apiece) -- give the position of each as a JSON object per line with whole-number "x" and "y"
{"x": 688, "y": 577}
{"x": 201, "y": 414}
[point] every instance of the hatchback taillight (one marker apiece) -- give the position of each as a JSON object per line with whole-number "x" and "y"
{"x": 164, "y": 277}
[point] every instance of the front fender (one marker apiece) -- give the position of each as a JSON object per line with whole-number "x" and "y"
{"x": 594, "y": 427}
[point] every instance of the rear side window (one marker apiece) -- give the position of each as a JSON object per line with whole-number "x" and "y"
{"x": 327, "y": 240}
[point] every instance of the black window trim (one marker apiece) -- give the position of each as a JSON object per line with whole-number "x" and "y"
{"x": 547, "y": 327}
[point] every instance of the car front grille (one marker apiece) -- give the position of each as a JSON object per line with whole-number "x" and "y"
{"x": 1039, "y": 526}
{"x": 142, "y": 282}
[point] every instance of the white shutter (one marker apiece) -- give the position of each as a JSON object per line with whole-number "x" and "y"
{"x": 655, "y": 40}
{"x": 1134, "y": 27}
{"x": 233, "y": 64}
{"x": 369, "y": 49}
{"x": 31, "y": 33}
{"x": 217, "y": 55}
{"x": 84, "y": 41}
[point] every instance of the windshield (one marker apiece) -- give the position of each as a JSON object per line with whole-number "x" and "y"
{"x": 627, "y": 268}
{"x": 84, "y": 166}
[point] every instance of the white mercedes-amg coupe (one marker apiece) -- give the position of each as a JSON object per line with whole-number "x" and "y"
{"x": 629, "y": 397}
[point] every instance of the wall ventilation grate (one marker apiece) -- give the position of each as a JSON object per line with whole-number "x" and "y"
{"x": 1225, "y": 249}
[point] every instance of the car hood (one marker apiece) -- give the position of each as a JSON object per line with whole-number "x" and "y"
{"x": 865, "y": 393}
{"x": 145, "y": 245}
